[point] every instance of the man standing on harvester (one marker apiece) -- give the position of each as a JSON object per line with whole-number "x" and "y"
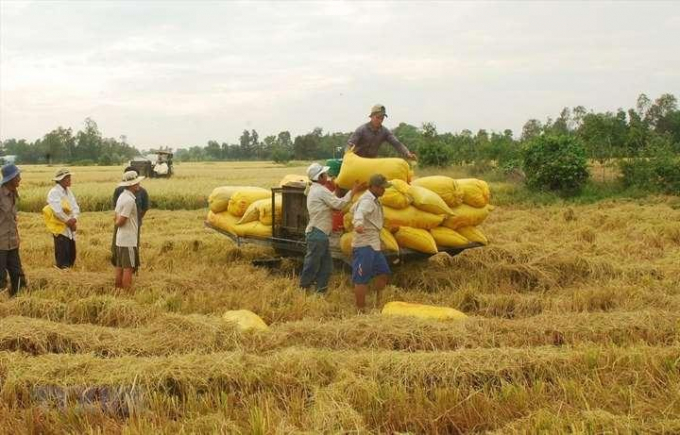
{"x": 367, "y": 138}
{"x": 320, "y": 204}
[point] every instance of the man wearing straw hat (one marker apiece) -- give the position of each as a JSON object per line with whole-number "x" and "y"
{"x": 65, "y": 208}
{"x": 10, "y": 262}
{"x": 125, "y": 255}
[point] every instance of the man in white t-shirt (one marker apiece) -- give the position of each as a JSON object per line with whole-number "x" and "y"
{"x": 125, "y": 255}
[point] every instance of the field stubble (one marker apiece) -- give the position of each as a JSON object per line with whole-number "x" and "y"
{"x": 573, "y": 328}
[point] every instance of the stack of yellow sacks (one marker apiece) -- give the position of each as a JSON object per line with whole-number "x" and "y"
{"x": 431, "y": 213}
{"x": 242, "y": 210}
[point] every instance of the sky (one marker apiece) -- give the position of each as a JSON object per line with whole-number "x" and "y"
{"x": 180, "y": 73}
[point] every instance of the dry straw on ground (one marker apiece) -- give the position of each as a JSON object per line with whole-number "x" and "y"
{"x": 573, "y": 328}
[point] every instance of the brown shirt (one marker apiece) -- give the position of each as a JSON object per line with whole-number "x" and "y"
{"x": 9, "y": 234}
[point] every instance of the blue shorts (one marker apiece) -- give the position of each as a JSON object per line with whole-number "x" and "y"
{"x": 368, "y": 263}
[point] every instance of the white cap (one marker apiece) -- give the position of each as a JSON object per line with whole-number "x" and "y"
{"x": 315, "y": 170}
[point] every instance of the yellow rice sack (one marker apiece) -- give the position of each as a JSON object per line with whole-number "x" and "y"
{"x": 416, "y": 239}
{"x": 262, "y": 210}
{"x": 427, "y": 200}
{"x": 347, "y": 221}
{"x": 293, "y": 178}
{"x": 346, "y": 243}
{"x": 253, "y": 229}
{"x": 355, "y": 168}
{"x": 475, "y": 192}
{"x": 387, "y": 241}
{"x": 53, "y": 223}
{"x": 241, "y": 200}
{"x": 397, "y": 196}
{"x": 245, "y": 320}
{"x": 224, "y": 221}
{"x": 446, "y": 187}
{"x": 218, "y": 201}
{"x": 448, "y": 238}
{"x": 422, "y": 311}
{"x": 466, "y": 216}
{"x": 411, "y": 217}
{"x": 473, "y": 234}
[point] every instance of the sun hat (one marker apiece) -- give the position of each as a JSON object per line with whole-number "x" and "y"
{"x": 378, "y": 109}
{"x": 315, "y": 170}
{"x": 61, "y": 174}
{"x": 9, "y": 172}
{"x": 379, "y": 180}
{"x": 130, "y": 178}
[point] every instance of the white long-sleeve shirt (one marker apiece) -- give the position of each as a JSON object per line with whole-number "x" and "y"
{"x": 368, "y": 212}
{"x": 320, "y": 204}
{"x": 54, "y": 199}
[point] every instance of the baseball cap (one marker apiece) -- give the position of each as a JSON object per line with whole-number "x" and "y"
{"x": 315, "y": 170}
{"x": 379, "y": 180}
{"x": 378, "y": 109}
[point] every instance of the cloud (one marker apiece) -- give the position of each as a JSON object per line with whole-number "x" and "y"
{"x": 178, "y": 73}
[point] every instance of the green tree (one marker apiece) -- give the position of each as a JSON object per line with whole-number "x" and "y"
{"x": 556, "y": 163}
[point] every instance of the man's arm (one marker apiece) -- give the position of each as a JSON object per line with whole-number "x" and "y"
{"x": 353, "y": 140}
{"x": 116, "y": 194}
{"x": 363, "y": 208}
{"x": 125, "y": 212}
{"x": 75, "y": 212}
{"x": 397, "y": 145}
{"x": 144, "y": 196}
{"x": 336, "y": 203}
{"x": 120, "y": 220}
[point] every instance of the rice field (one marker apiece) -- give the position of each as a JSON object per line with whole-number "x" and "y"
{"x": 574, "y": 317}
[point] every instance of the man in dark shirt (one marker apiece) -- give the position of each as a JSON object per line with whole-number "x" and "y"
{"x": 10, "y": 262}
{"x": 367, "y": 139}
{"x": 142, "y": 198}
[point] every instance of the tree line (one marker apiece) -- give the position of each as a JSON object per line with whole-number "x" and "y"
{"x": 62, "y": 145}
{"x": 648, "y": 127}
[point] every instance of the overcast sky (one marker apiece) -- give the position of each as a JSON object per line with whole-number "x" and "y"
{"x": 181, "y": 73}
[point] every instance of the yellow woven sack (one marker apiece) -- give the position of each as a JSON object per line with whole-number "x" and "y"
{"x": 253, "y": 229}
{"x": 346, "y": 243}
{"x": 387, "y": 242}
{"x": 245, "y": 320}
{"x": 355, "y": 168}
{"x": 475, "y": 192}
{"x": 241, "y": 200}
{"x": 416, "y": 239}
{"x": 427, "y": 200}
{"x": 397, "y": 196}
{"x": 224, "y": 221}
{"x": 347, "y": 221}
{"x": 293, "y": 178}
{"x": 262, "y": 210}
{"x": 467, "y": 216}
{"x": 411, "y": 217}
{"x": 448, "y": 238}
{"x": 422, "y": 311}
{"x": 446, "y": 187}
{"x": 473, "y": 234}
{"x": 218, "y": 201}
{"x": 53, "y": 223}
